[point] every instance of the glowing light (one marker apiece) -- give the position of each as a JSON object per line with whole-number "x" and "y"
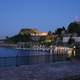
{"x": 74, "y": 53}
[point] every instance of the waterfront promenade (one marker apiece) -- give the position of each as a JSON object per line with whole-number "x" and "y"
{"x": 67, "y": 70}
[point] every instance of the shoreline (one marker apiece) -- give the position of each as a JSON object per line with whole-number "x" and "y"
{"x": 8, "y": 45}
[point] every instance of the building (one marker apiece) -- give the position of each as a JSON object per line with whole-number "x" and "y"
{"x": 73, "y": 36}
{"x": 35, "y": 34}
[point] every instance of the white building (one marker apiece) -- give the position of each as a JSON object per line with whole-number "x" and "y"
{"x": 35, "y": 34}
{"x": 67, "y": 37}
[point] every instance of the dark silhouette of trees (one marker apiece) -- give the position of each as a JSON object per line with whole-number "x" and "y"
{"x": 74, "y": 27}
{"x": 71, "y": 40}
{"x": 49, "y": 33}
{"x": 59, "y": 31}
{"x": 19, "y": 38}
{"x": 7, "y": 37}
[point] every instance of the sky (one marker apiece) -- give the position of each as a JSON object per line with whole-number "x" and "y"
{"x": 44, "y": 15}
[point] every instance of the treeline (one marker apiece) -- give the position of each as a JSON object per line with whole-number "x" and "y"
{"x": 73, "y": 27}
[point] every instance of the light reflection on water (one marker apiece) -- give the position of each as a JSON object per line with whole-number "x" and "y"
{"x": 13, "y": 57}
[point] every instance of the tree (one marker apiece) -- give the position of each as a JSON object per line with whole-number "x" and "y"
{"x": 74, "y": 27}
{"x": 71, "y": 40}
{"x": 49, "y": 33}
{"x": 59, "y": 31}
{"x": 19, "y": 38}
{"x": 7, "y": 37}
{"x": 42, "y": 39}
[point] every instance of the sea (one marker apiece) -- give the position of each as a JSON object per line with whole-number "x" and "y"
{"x": 17, "y": 57}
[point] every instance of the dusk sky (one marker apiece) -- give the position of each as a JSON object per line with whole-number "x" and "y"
{"x": 44, "y": 15}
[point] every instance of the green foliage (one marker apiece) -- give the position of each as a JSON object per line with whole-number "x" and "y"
{"x": 46, "y": 40}
{"x": 46, "y": 43}
{"x": 19, "y": 38}
{"x": 41, "y": 40}
{"x": 28, "y": 31}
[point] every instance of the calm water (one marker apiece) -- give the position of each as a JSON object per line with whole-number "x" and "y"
{"x": 14, "y": 57}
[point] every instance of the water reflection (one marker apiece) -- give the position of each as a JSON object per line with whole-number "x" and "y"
{"x": 13, "y": 57}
